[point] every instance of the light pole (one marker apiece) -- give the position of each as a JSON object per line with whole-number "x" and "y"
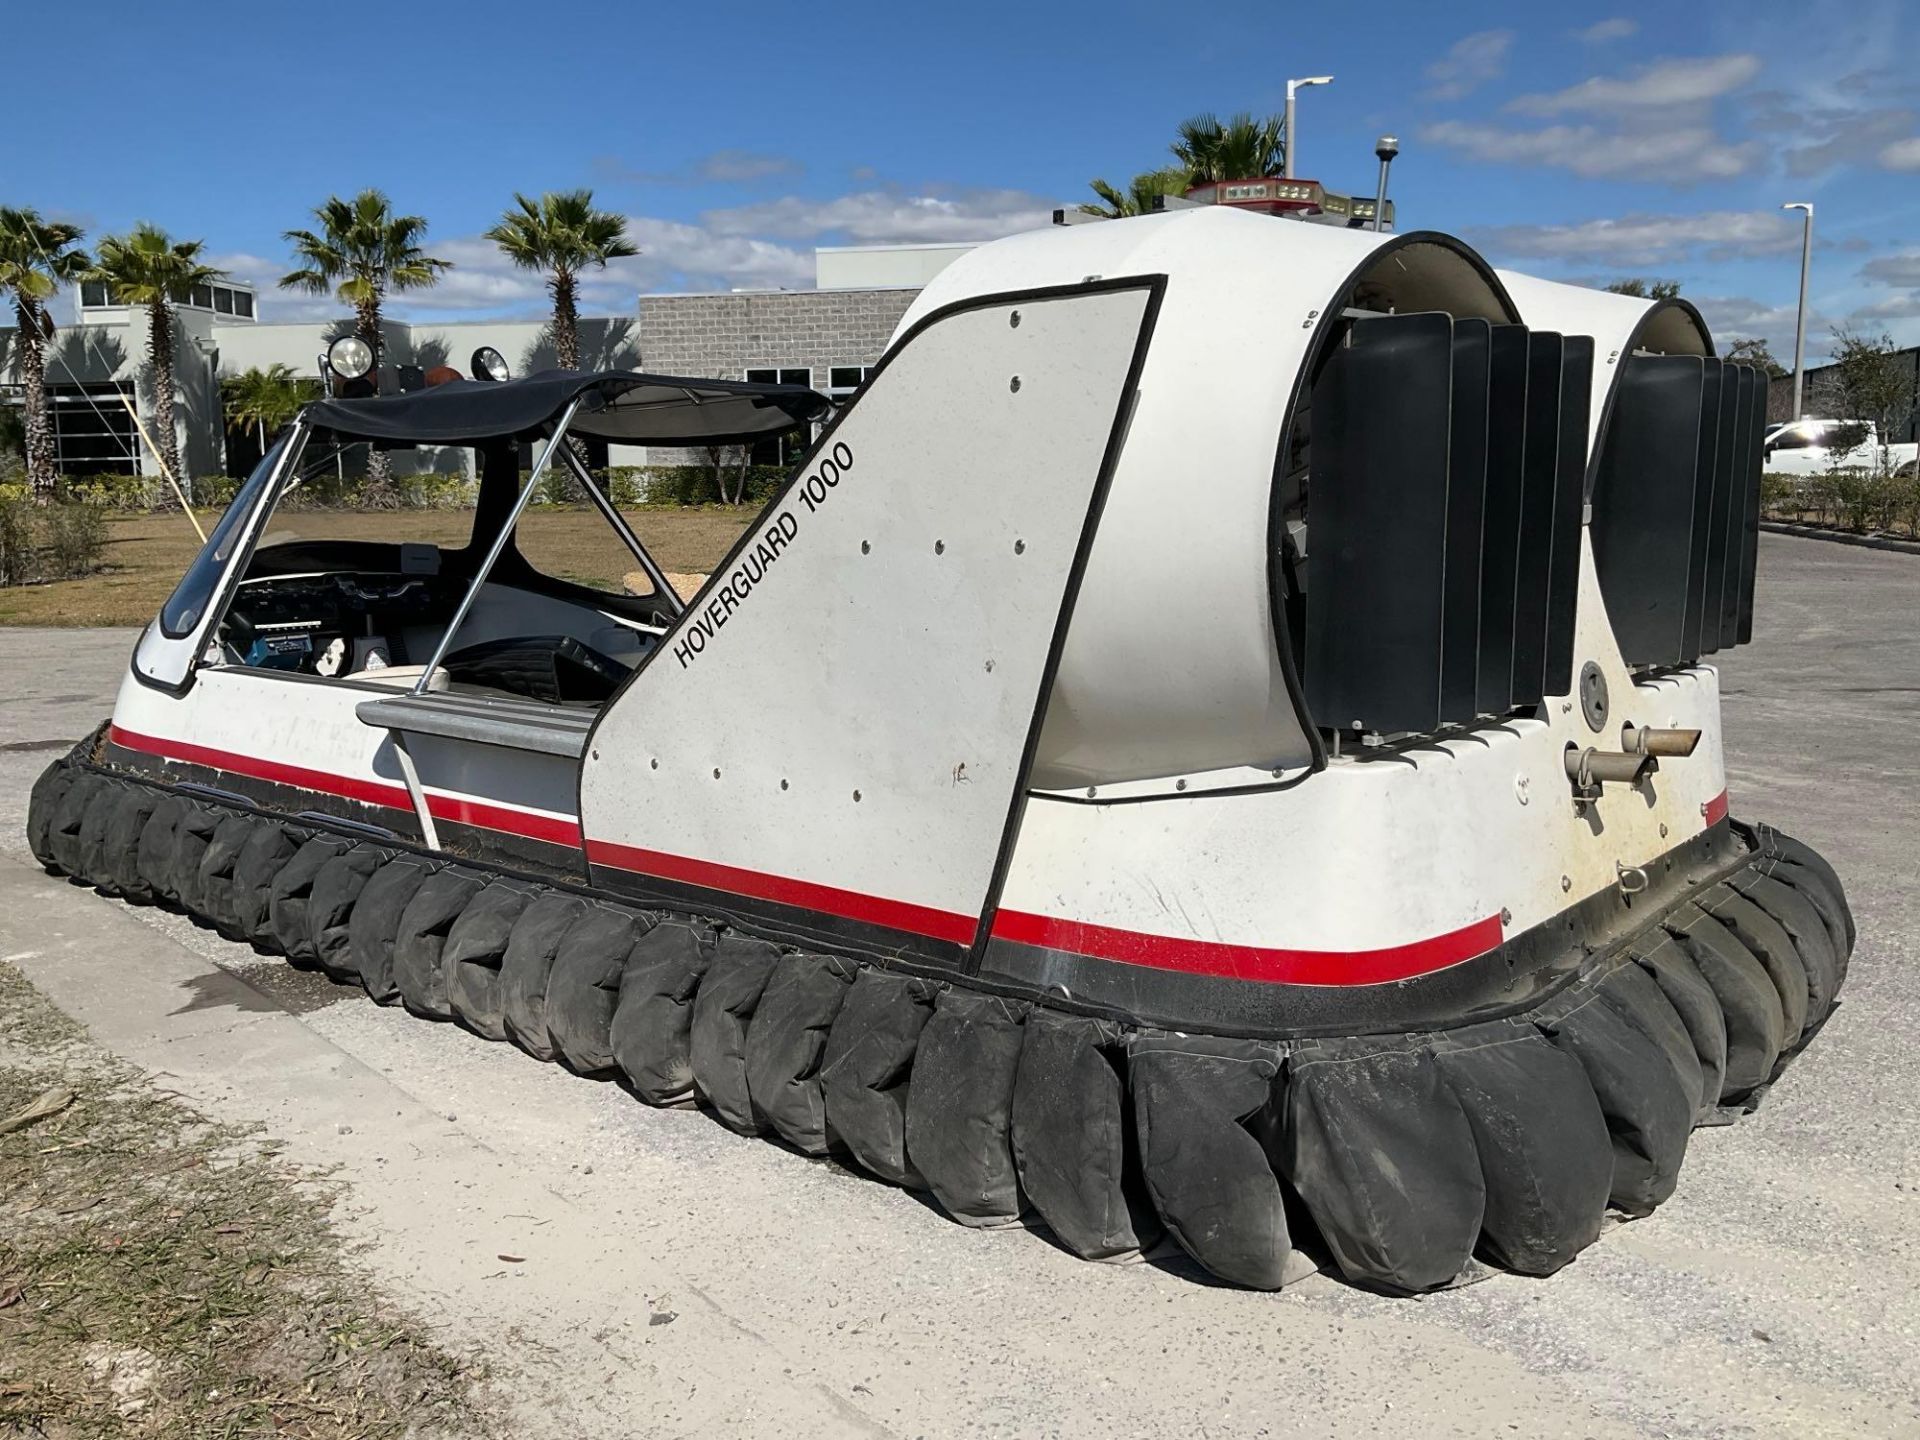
{"x": 1288, "y": 169}
{"x": 1800, "y": 324}
{"x": 1386, "y": 147}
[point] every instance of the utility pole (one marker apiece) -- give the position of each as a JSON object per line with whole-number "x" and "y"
{"x": 1800, "y": 323}
{"x": 1289, "y": 169}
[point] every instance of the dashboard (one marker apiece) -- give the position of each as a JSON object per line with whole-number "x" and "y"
{"x": 333, "y": 624}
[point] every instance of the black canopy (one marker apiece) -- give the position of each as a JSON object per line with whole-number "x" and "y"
{"x": 620, "y": 406}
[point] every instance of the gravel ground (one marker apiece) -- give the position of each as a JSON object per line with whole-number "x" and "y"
{"x": 1774, "y": 1295}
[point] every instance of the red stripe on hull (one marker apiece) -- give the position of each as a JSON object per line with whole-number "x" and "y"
{"x": 1251, "y": 962}
{"x": 780, "y": 890}
{"x": 1715, "y": 810}
{"x": 455, "y": 809}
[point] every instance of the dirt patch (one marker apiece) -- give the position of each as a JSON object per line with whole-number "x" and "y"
{"x": 145, "y": 555}
{"x": 163, "y": 1276}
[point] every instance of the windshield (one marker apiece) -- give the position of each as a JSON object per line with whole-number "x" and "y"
{"x": 187, "y": 606}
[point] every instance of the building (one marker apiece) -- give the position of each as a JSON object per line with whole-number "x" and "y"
{"x": 1823, "y": 397}
{"x": 827, "y": 338}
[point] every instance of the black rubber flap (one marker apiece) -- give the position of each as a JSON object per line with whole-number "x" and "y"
{"x": 527, "y": 965}
{"x": 70, "y": 812}
{"x": 1807, "y": 929}
{"x": 1379, "y": 1149}
{"x": 419, "y": 942}
{"x": 376, "y": 922}
{"x": 1749, "y": 1005}
{"x": 269, "y": 849}
{"x": 960, "y": 1106}
{"x": 1500, "y": 519}
{"x": 229, "y": 838}
{"x": 43, "y": 804}
{"x": 1761, "y": 934}
{"x": 585, "y": 984}
{"x": 94, "y": 865}
{"x": 475, "y": 951}
{"x": 653, "y": 1019}
{"x": 1072, "y": 1117}
{"x": 1775, "y": 845}
{"x": 870, "y": 1053}
{"x": 290, "y": 897}
{"x": 1545, "y": 1159}
{"x": 1642, "y": 1004}
{"x": 1693, "y": 1000}
{"x": 1194, "y": 1100}
{"x": 722, "y": 1013}
{"x": 1649, "y": 1113}
{"x": 157, "y": 842}
{"x": 131, "y": 811}
{"x": 786, "y": 1042}
{"x": 192, "y": 834}
{"x": 337, "y": 888}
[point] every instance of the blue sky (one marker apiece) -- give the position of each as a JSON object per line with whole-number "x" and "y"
{"x": 1579, "y": 142}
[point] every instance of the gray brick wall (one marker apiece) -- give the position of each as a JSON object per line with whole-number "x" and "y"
{"x": 724, "y": 336}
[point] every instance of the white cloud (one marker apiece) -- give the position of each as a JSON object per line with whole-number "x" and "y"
{"x": 887, "y": 216}
{"x": 1620, "y": 27}
{"x": 1902, "y": 154}
{"x": 723, "y": 167}
{"x": 1469, "y": 63}
{"x": 1662, "y": 85}
{"x": 1642, "y": 239}
{"x": 1673, "y": 155}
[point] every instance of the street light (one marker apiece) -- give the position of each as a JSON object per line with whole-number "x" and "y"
{"x": 1386, "y": 147}
{"x": 1800, "y": 324}
{"x": 1287, "y": 168}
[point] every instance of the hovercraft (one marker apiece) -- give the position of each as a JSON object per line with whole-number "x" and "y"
{"x": 1216, "y": 741}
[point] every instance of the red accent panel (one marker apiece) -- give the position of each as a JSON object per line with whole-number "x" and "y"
{"x": 1715, "y": 810}
{"x": 1251, "y": 962}
{"x": 801, "y": 894}
{"x": 455, "y": 808}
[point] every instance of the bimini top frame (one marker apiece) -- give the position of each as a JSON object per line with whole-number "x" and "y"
{"x": 623, "y": 407}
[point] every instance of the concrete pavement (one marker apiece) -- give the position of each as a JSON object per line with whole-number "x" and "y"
{"x": 1774, "y": 1295}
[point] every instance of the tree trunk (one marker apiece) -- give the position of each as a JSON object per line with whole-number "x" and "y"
{"x": 29, "y": 341}
{"x": 566, "y": 321}
{"x": 160, "y": 357}
{"x": 378, "y": 493}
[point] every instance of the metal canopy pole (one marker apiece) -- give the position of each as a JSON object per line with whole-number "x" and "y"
{"x": 604, "y": 503}
{"x": 494, "y": 550}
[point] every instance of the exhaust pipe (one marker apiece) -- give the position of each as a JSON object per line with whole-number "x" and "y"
{"x": 1590, "y": 769}
{"x": 1642, "y": 740}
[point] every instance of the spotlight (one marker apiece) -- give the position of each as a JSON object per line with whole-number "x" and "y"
{"x": 350, "y": 357}
{"x": 490, "y": 364}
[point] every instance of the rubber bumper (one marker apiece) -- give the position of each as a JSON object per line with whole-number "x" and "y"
{"x": 1397, "y": 1160}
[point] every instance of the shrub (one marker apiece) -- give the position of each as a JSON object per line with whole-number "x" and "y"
{"x": 75, "y": 536}
{"x": 17, "y": 548}
{"x": 434, "y": 490}
{"x": 113, "y": 492}
{"x": 55, "y": 540}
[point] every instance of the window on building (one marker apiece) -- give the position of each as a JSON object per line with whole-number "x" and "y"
{"x": 844, "y": 380}
{"x": 202, "y": 297}
{"x": 92, "y": 432}
{"x": 782, "y": 450}
{"x": 94, "y": 292}
{"x": 243, "y": 304}
{"x": 222, "y": 300}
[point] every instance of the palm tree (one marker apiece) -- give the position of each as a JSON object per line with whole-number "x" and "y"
{"x": 1242, "y": 148}
{"x": 1139, "y": 196}
{"x": 360, "y": 252}
{"x": 562, "y": 234}
{"x": 37, "y": 257}
{"x": 266, "y": 399}
{"x": 148, "y": 267}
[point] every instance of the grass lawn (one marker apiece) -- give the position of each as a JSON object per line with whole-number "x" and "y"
{"x": 146, "y": 554}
